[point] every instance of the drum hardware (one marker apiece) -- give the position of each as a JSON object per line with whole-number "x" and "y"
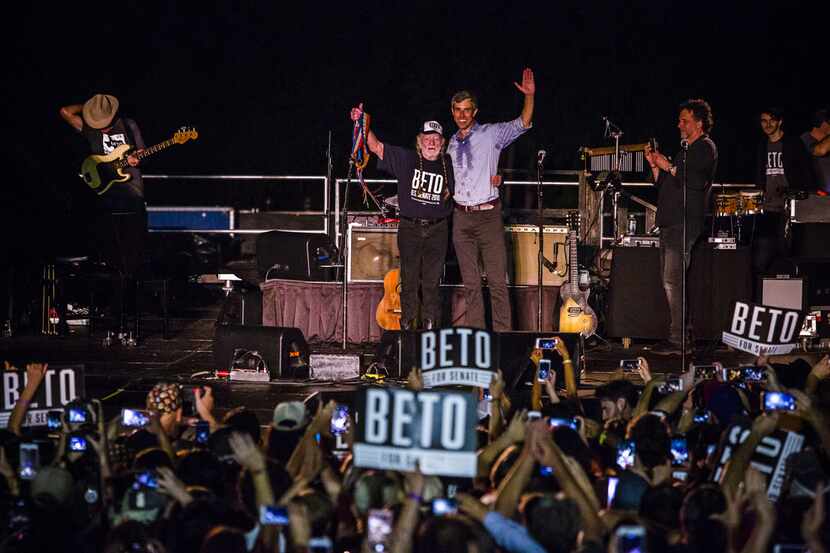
{"x": 736, "y": 206}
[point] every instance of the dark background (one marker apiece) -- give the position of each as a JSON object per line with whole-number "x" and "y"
{"x": 265, "y": 82}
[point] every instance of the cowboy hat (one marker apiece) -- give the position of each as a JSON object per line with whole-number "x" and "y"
{"x": 99, "y": 110}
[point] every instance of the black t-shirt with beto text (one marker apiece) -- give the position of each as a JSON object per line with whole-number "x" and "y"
{"x": 422, "y": 184}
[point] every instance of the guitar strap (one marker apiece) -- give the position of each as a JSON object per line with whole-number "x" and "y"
{"x": 360, "y": 154}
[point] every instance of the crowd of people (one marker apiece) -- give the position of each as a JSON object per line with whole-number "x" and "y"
{"x": 649, "y": 462}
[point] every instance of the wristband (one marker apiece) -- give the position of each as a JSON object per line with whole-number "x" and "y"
{"x": 415, "y": 496}
{"x": 567, "y": 361}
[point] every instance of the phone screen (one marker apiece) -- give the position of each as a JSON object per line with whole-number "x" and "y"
{"x": 544, "y": 370}
{"x": 546, "y": 343}
{"x": 625, "y": 454}
{"x": 611, "y": 490}
{"x": 271, "y": 515}
{"x": 630, "y": 539}
{"x": 702, "y": 417}
{"x": 545, "y": 471}
{"x": 679, "y": 452}
{"x": 77, "y": 443}
{"x": 53, "y": 420}
{"x": 672, "y": 385}
{"x": 77, "y": 415}
{"x": 778, "y": 401}
{"x": 629, "y": 365}
{"x": 705, "y": 372}
{"x": 752, "y": 373}
{"x": 134, "y": 418}
{"x": 29, "y": 461}
{"x": 340, "y": 419}
{"x": 379, "y": 528}
{"x": 571, "y": 423}
{"x": 443, "y": 506}
{"x": 202, "y": 432}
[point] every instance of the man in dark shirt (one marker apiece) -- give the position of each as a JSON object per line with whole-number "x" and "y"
{"x": 120, "y": 225}
{"x": 425, "y": 188}
{"x": 694, "y": 167}
{"x": 783, "y": 166}
{"x": 817, "y": 141}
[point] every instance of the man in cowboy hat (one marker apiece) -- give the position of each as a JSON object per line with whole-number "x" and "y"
{"x": 120, "y": 227}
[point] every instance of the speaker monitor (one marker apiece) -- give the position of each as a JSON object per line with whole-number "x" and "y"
{"x": 373, "y": 252}
{"x": 283, "y": 349}
{"x": 522, "y": 242}
{"x": 294, "y": 255}
{"x": 783, "y": 292}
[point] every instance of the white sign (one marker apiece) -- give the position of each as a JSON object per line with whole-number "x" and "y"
{"x": 760, "y": 329}
{"x": 399, "y": 427}
{"x": 60, "y": 385}
{"x": 457, "y": 356}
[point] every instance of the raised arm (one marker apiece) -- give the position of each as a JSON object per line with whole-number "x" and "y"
{"x": 528, "y": 88}
{"x": 822, "y": 147}
{"x": 35, "y": 372}
{"x": 72, "y": 115}
{"x": 375, "y": 145}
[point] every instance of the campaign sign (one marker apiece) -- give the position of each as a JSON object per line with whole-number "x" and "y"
{"x": 399, "y": 427}
{"x": 61, "y": 385}
{"x": 760, "y": 329}
{"x": 770, "y": 457}
{"x": 457, "y": 356}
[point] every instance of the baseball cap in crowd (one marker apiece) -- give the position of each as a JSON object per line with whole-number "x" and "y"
{"x": 52, "y": 487}
{"x": 432, "y": 126}
{"x": 289, "y": 415}
{"x": 99, "y": 110}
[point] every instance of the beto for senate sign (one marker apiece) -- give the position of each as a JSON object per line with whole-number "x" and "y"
{"x": 457, "y": 356}
{"x": 761, "y": 329}
{"x": 399, "y": 427}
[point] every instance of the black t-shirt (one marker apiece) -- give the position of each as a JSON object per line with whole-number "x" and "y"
{"x": 702, "y": 161}
{"x": 121, "y": 196}
{"x": 421, "y": 183}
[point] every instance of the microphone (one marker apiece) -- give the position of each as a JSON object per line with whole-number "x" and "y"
{"x": 684, "y": 144}
{"x": 540, "y": 156}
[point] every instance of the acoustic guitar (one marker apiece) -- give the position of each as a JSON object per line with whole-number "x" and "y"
{"x": 388, "y": 312}
{"x": 100, "y": 172}
{"x": 575, "y": 314}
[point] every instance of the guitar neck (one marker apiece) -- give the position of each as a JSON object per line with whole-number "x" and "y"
{"x": 574, "y": 262}
{"x": 146, "y": 152}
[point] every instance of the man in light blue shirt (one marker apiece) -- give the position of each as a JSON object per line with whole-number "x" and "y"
{"x": 478, "y": 227}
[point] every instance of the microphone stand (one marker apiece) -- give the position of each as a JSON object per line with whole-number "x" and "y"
{"x": 541, "y": 258}
{"x": 685, "y": 150}
{"x": 343, "y": 255}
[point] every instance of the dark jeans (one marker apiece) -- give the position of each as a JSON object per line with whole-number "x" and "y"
{"x": 768, "y": 241}
{"x": 671, "y": 269}
{"x": 423, "y": 248}
{"x": 482, "y": 232}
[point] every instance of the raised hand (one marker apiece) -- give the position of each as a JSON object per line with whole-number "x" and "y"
{"x": 415, "y": 380}
{"x": 811, "y": 524}
{"x": 643, "y": 370}
{"x": 528, "y": 86}
{"x": 246, "y": 452}
{"x": 517, "y": 429}
{"x": 765, "y": 424}
{"x": 357, "y": 112}
{"x": 497, "y": 386}
{"x": 471, "y": 506}
{"x": 822, "y": 369}
{"x": 170, "y": 485}
{"x": 35, "y": 372}
{"x": 203, "y": 401}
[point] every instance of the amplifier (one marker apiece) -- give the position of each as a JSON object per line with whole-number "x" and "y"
{"x": 372, "y": 252}
{"x": 522, "y": 243}
{"x": 634, "y": 241}
{"x": 783, "y": 291}
{"x": 813, "y": 209}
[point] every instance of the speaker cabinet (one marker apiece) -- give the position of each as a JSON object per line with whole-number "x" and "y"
{"x": 294, "y": 255}
{"x": 284, "y": 349}
{"x": 522, "y": 242}
{"x": 372, "y": 253}
{"x": 637, "y": 306}
{"x": 786, "y": 292}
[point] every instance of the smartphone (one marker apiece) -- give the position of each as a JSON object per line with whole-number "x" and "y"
{"x": 379, "y": 529}
{"x": 29, "y": 461}
{"x": 571, "y": 423}
{"x": 679, "y": 451}
{"x": 77, "y": 415}
{"x": 702, "y": 416}
{"x": 789, "y": 548}
{"x": 611, "y": 491}
{"x": 486, "y": 395}
{"x": 680, "y": 475}
{"x": 544, "y": 370}
{"x": 625, "y": 454}
{"x": 705, "y": 372}
{"x": 270, "y": 515}
{"x": 751, "y": 373}
{"x": 442, "y": 506}
{"x": 202, "y": 432}
{"x": 629, "y": 365}
{"x": 630, "y": 539}
{"x": 53, "y": 420}
{"x": 188, "y": 401}
{"x": 340, "y": 419}
{"x": 545, "y": 472}
{"x": 147, "y": 479}
{"x": 674, "y": 384}
{"x": 77, "y": 443}
{"x": 546, "y": 343}
{"x": 778, "y": 401}
{"x": 320, "y": 545}
{"x": 134, "y": 418}
{"x": 534, "y": 415}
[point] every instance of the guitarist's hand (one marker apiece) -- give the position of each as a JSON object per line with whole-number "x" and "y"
{"x": 132, "y": 159}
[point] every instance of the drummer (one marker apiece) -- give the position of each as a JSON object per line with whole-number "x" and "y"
{"x": 783, "y": 166}
{"x": 425, "y": 188}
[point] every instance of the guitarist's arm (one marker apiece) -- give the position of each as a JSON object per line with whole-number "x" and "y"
{"x": 72, "y": 115}
{"x": 139, "y": 142}
{"x": 375, "y": 145}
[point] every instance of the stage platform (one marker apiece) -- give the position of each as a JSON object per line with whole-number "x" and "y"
{"x": 123, "y": 375}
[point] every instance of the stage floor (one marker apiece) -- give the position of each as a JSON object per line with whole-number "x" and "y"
{"x": 123, "y": 375}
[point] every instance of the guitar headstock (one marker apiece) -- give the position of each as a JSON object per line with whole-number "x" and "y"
{"x": 184, "y": 134}
{"x": 573, "y": 220}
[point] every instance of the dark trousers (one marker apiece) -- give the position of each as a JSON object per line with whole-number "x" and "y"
{"x": 481, "y": 233}
{"x": 671, "y": 269}
{"x": 423, "y": 248}
{"x": 768, "y": 241}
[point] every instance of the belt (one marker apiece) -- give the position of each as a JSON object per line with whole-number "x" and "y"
{"x": 486, "y": 206}
{"x": 420, "y": 221}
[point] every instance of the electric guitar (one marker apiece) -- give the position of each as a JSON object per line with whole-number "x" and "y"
{"x": 575, "y": 314}
{"x": 100, "y": 172}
